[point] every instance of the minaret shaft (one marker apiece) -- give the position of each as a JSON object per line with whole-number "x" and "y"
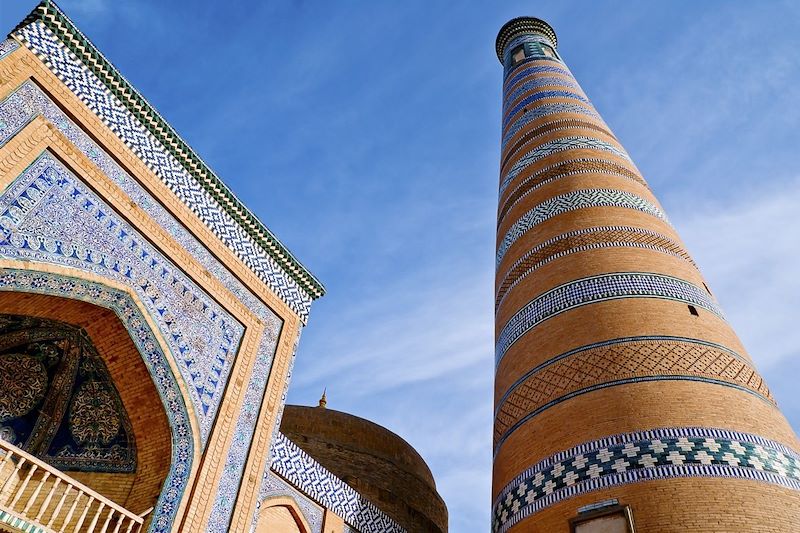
{"x": 617, "y": 375}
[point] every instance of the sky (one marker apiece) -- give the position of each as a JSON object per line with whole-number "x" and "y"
{"x": 366, "y": 136}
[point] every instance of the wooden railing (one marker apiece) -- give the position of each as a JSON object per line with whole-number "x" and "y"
{"x": 33, "y": 492}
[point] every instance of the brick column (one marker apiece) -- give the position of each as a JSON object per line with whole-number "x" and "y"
{"x": 617, "y": 375}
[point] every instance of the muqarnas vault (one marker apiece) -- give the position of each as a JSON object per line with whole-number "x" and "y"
{"x": 623, "y": 399}
{"x": 148, "y": 325}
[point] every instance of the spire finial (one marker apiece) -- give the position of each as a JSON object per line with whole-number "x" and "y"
{"x": 323, "y": 401}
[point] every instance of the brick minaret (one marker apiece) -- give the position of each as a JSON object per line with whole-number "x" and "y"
{"x": 617, "y": 375}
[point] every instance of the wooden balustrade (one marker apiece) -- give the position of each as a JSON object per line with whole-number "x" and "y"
{"x": 29, "y": 487}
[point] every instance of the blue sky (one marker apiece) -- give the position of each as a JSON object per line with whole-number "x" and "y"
{"x": 366, "y": 136}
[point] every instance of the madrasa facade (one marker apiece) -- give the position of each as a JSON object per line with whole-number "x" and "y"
{"x": 149, "y": 322}
{"x": 148, "y": 326}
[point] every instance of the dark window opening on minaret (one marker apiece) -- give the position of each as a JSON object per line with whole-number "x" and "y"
{"x": 517, "y": 55}
{"x": 693, "y": 311}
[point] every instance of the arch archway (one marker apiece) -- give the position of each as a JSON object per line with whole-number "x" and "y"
{"x": 281, "y": 515}
{"x": 139, "y": 370}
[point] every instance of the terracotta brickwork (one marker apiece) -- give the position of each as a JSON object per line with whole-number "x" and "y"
{"x": 606, "y": 331}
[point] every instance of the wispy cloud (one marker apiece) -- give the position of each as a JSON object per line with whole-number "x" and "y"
{"x": 749, "y": 250}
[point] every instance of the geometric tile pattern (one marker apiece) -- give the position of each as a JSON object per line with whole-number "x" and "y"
{"x": 547, "y": 127}
{"x": 531, "y": 71}
{"x": 543, "y": 111}
{"x": 625, "y": 360}
{"x": 19, "y": 524}
{"x": 274, "y": 486}
{"x": 642, "y": 456}
{"x": 572, "y": 201}
{"x": 595, "y": 289}
{"x": 319, "y": 484}
{"x": 149, "y": 149}
{"x": 58, "y": 401}
{"x": 559, "y": 145}
{"x": 536, "y": 83}
{"x": 28, "y": 101}
{"x": 563, "y": 169}
{"x": 586, "y": 239}
{"x": 156, "y": 361}
{"x": 540, "y": 95}
{"x": 48, "y": 215}
{"x": 58, "y": 24}
{"x": 7, "y": 46}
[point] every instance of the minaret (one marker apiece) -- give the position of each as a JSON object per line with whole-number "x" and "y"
{"x": 617, "y": 375}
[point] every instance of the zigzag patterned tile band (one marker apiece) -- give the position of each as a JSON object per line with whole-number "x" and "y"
{"x": 600, "y": 288}
{"x": 121, "y": 121}
{"x": 540, "y": 96}
{"x": 564, "y": 169}
{"x": 549, "y": 126}
{"x": 570, "y": 202}
{"x": 532, "y": 70}
{"x": 546, "y": 110}
{"x": 647, "y": 455}
{"x": 535, "y": 83}
{"x": 586, "y": 239}
{"x": 314, "y": 480}
{"x": 619, "y": 361}
{"x": 559, "y": 145}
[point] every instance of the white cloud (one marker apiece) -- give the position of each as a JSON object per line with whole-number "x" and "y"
{"x": 749, "y": 251}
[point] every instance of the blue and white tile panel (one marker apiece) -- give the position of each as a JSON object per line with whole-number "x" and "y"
{"x": 571, "y": 201}
{"x": 27, "y": 102}
{"x": 48, "y": 215}
{"x": 7, "y": 46}
{"x": 319, "y": 484}
{"x": 595, "y": 289}
{"x": 116, "y": 116}
{"x": 154, "y": 358}
{"x": 646, "y": 455}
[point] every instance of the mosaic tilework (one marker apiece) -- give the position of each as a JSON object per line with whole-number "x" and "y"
{"x": 7, "y": 46}
{"x": 274, "y": 486}
{"x": 534, "y": 46}
{"x": 299, "y": 469}
{"x": 28, "y": 101}
{"x": 560, "y": 170}
{"x": 47, "y": 215}
{"x": 243, "y": 432}
{"x": 57, "y": 399}
{"x": 119, "y": 119}
{"x": 547, "y": 127}
{"x": 536, "y": 83}
{"x": 559, "y": 145}
{"x": 600, "y": 288}
{"x": 533, "y": 70}
{"x": 571, "y": 201}
{"x": 541, "y": 95}
{"x": 546, "y": 110}
{"x": 625, "y": 360}
{"x": 154, "y": 358}
{"x": 47, "y": 13}
{"x": 586, "y": 239}
{"x": 635, "y": 457}
{"x": 20, "y": 524}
